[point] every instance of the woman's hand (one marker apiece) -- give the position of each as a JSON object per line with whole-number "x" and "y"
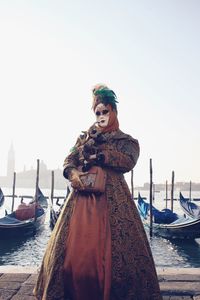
{"x": 75, "y": 179}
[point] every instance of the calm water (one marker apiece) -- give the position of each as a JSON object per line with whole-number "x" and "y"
{"x": 29, "y": 251}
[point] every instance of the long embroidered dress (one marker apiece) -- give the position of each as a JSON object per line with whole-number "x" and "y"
{"x": 98, "y": 249}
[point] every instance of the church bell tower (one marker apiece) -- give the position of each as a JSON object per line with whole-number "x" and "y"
{"x": 11, "y": 162}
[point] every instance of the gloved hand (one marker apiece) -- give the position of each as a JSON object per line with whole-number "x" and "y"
{"x": 75, "y": 179}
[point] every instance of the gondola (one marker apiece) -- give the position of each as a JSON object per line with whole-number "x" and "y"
{"x": 189, "y": 207}
{"x": 22, "y": 222}
{"x": 55, "y": 212}
{"x": 11, "y": 226}
{"x": 42, "y": 200}
{"x": 1, "y": 197}
{"x": 168, "y": 224}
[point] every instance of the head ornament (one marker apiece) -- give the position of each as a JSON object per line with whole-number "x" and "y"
{"x": 102, "y": 94}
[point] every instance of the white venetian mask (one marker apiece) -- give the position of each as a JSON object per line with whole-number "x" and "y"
{"x": 102, "y": 115}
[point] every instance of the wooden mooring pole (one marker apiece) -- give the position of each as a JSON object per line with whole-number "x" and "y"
{"x": 36, "y": 187}
{"x": 52, "y": 187}
{"x": 153, "y": 192}
{"x": 13, "y": 193}
{"x": 166, "y": 191}
{"x": 172, "y": 192}
{"x": 190, "y": 191}
{"x": 150, "y": 200}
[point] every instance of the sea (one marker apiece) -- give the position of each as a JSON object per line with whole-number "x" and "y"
{"x": 29, "y": 251}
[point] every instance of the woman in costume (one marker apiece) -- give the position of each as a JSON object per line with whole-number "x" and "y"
{"x": 98, "y": 249}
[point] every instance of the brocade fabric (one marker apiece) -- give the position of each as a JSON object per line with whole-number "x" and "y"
{"x": 123, "y": 260}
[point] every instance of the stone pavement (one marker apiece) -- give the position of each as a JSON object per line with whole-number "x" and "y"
{"x": 16, "y": 283}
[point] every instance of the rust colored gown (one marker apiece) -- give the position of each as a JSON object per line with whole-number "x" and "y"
{"x": 98, "y": 249}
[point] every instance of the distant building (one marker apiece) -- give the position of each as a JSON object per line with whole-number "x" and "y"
{"x": 180, "y": 186}
{"x": 11, "y": 162}
{"x": 27, "y": 178}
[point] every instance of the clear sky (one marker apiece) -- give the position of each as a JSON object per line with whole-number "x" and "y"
{"x": 148, "y": 52}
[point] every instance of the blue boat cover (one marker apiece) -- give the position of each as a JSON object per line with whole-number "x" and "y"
{"x": 11, "y": 219}
{"x": 165, "y": 216}
{"x": 190, "y": 208}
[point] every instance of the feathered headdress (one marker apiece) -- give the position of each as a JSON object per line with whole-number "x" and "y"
{"x": 102, "y": 94}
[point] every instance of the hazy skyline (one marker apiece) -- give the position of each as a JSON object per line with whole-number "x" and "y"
{"x": 53, "y": 52}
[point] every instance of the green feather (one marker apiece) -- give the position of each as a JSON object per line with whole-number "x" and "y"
{"x": 107, "y": 97}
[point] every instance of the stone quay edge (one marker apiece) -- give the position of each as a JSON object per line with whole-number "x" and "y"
{"x": 17, "y": 282}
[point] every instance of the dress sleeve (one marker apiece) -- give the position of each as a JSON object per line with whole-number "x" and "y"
{"x": 70, "y": 162}
{"x": 122, "y": 155}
